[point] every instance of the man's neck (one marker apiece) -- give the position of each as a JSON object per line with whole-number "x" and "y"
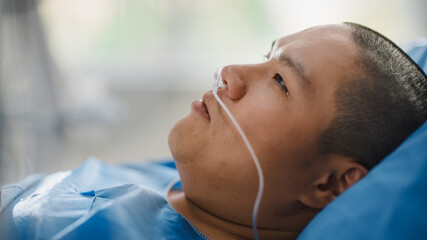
{"x": 215, "y": 227}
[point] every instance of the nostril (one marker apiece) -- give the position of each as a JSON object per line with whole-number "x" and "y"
{"x": 218, "y": 82}
{"x": 222, "y": 84}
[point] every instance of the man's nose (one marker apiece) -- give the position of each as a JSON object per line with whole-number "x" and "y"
{"x": 236, "y": 77}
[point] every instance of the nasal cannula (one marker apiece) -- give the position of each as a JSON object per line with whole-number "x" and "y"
{"x": 219, "y": 83}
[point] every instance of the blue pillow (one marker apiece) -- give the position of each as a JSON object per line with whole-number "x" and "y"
{"x": 390, "y": 202}
{"x": 418, "y": 52}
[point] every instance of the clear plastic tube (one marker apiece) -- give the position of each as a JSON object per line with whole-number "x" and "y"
{"x": 218, "y": 83}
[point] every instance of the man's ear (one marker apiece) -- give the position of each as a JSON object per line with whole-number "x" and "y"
{"x": 339, "y": 174}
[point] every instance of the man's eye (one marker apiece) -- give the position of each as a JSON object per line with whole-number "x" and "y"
{"x": 282, "y": 83}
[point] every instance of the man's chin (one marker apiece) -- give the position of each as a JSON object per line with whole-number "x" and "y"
{"x": 179, "y": 139}
{"x": 174, "y": 136}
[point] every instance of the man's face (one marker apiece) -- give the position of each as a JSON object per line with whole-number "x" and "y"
{"x": 282, "y": 120}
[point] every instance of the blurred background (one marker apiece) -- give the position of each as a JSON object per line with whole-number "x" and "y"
{"x": 109, "y": 78}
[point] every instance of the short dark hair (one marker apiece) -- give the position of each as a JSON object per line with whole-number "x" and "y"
{"x": 379, "y": 108}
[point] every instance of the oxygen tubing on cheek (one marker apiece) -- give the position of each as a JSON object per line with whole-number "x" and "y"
{"x": 219, "y": 83}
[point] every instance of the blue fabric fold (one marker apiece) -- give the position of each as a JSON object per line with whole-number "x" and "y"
{"x": 95, "y": 201}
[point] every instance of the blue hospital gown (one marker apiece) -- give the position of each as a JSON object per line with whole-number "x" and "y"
{"x": 95, "y": 201}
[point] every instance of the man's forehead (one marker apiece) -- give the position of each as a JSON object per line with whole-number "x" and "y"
{"x": 327, "y": 41}
{"x": 323, "y": 32}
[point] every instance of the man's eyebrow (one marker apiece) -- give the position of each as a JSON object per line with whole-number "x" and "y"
{"x": 297, "y": 68}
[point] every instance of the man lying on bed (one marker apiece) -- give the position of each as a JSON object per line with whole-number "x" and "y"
{"x": 324, "y": 108}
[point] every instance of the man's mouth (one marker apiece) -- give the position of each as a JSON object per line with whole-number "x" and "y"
{"x": 205, "y": 108}
{"x": 200, "y": 107}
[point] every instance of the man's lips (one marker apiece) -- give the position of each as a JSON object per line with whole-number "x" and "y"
{"x": 201, "y": 108}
